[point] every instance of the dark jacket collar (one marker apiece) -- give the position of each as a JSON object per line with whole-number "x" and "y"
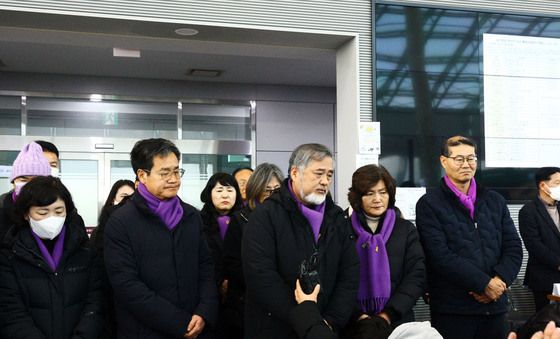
{"x": 481, "y": 191}
{"x": 20, "y": 241}
{"x": 541, "y": 209}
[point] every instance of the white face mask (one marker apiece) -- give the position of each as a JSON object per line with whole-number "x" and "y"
{"x": 554, "y": 192}
{"x": 47, "y": 228}
{"x": 19, "y": 186}
{"x": 55, "y": 172}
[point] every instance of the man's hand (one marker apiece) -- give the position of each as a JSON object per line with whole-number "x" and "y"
{"x": 481, "y": 298}
{"x": 550, "y": 332}
{"x": 385, "y": 316}
{"x": 496, "y": 287}
{"x": 196, "y": 325}
{"x": 301, "y": 296}
{"x": 363, "y": 316}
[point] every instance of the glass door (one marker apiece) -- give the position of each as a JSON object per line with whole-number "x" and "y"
{"x": 81, "y": 174}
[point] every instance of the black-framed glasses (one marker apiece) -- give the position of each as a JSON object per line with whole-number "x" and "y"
{"x": 166, "y": 175}
{"x": 459, "y": 160}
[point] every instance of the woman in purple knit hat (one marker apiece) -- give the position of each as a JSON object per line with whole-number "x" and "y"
{"x": 30, "y": 163}
{"x": 392, "y": 267}
{"x": 50, "y": 284}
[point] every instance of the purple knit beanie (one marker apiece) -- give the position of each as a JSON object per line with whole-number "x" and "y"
{"x": 30, "y": 162}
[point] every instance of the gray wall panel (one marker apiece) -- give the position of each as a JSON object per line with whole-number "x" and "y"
{"x": 282, "y": 126}
{"x": 162, "y": 88}
{"x": 279, "y": 159}
{"x": 320, "y": 15}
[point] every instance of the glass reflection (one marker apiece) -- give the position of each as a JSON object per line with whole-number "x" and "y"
{"x": 429, "y": 85}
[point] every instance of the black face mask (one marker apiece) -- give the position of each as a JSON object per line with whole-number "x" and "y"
{"x": 308, "y": 274}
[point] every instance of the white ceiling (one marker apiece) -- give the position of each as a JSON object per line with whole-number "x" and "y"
{"x": 45, "y": 43}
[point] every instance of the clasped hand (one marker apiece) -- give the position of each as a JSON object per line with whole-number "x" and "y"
{"x": 493, "y": 291}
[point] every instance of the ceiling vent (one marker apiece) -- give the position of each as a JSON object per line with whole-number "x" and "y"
{"x": 204, "y": 73}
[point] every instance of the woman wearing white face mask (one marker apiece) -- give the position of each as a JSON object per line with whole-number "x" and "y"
{"x": 50, "y": 285}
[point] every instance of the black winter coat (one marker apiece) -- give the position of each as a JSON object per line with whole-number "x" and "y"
{"x": 308, "y": 322}
{"x": 408, "y": 269}
{"x": 211, "y": 231}
{"x": 38, "y": 303}
{"x": 6, "y": 212}
{"x": 542, "y": 241}
{"x": 233, "y": 269}
{"x": 462, "y": 255}
{"x": 276, "y": 240}
{"x": 160, "y": 278}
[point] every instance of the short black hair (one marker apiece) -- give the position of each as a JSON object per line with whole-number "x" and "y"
{"x": 41, "y": 191}
{"x": 456, "y": 141}
{"x": 224, "y": 179}
{"x": 144, "y": 151}
{"x": 237, "y": 170}
{"x": 48, "y": 147}
{"x": 544, "y": 174}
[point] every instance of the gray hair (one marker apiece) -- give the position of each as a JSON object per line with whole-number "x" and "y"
{"x": 256, "y": 185}
{"x": 303, "y": 154}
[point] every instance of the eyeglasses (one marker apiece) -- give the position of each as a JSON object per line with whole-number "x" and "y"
{"x": 460, "y": 160}
{"x": 166, "y": 175}
{"x": 269, "y": 191}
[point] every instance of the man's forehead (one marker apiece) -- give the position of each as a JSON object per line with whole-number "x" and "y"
{"x": 325, "y": 164}
{"x": 169, "y": 160}
{"x": 461, "y": 150}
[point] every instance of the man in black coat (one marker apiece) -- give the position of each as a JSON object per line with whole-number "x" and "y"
{"x": 539, "y": 225}
{"x": 299, "y": 222}
{"x": 473, "y": 252}
{"x": 157, "y": 260}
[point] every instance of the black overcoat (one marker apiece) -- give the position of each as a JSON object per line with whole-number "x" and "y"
{"x": 276, "y": 240}
{"x": 36, "y": 302}
{"x": 160, "y": 278}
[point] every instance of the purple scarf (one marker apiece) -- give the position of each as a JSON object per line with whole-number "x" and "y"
{"x": 313, "y": 215}
{"x": 54, "y": 259}
{"x": 375, "y": 273}
{"x": 170, "y": 211}
{"x": 466, "y": 200}
{"x": 223, "y": 224}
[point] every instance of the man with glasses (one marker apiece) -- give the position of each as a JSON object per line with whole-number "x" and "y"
{"x": 473, "y": 252}
{"x": 299, "y": 224}
{"x": 157, "y": 260}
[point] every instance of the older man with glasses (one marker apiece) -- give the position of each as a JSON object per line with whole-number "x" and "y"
{"x": 156, "y": 257}
{"x": 473, "y": 252}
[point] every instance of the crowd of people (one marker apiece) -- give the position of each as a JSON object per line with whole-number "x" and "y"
{"x": 269, "y": 256}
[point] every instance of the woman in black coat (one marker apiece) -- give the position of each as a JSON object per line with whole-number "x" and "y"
{"x": 50, "y": 285}
{"x": 119, "y": 194}
{"x": 221, "y": 198}
{"x": 265, "y": 180}
{"x": 392, "y": 267}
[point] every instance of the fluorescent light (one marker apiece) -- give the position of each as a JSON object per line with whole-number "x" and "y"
{"x": 95, "y": 97}
{"x": 126, "y": 53}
